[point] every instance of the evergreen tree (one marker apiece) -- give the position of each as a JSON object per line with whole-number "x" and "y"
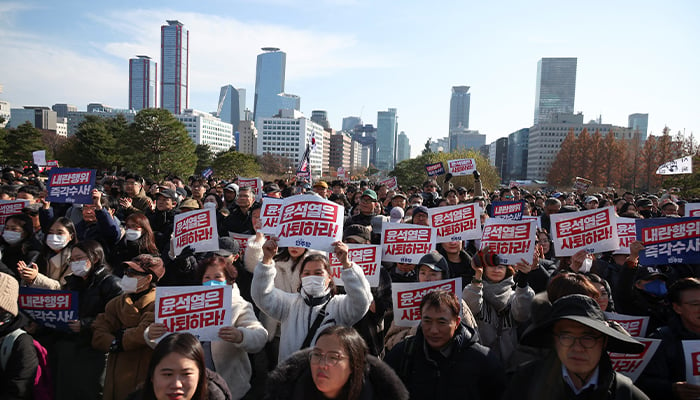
{"x": 95, "y": 146}
{"x": 21, "y": 142}
{"x": 231, "y": 164}
{"x": 204, "y": 158}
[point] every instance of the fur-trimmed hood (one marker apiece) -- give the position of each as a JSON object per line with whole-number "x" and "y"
{"x": 292, "y": 378}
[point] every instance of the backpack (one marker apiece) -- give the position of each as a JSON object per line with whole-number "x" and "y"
{"x": 43, "y": 384}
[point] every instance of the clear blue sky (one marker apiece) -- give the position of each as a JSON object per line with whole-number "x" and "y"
{"x": 356, "y": 57}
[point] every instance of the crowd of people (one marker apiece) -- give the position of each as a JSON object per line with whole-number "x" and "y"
{"x": 532, "y": 329}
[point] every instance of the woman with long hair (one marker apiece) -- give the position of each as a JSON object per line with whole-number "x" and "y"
{"x": 18, "y": 243}
{"x": 53, "y": 264}
{"x": 138, "y": 239}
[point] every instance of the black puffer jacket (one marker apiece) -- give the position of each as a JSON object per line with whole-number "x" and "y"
{"x": 17, "y": 379}
{"x": 94, "y": 294}
{"x": 292, "y": 380}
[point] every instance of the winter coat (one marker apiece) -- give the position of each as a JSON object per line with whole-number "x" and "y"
{"x": 633, "y": 301}
{"x": 292, "y": 380}
{"x": 162, "y": 223}
{"x": 668, "y": 364}
{"x": 106, "y": 230}
{"x": 231, "y": 359}
{"x": 543, "y": 380}
{"x": 56, "y": 268}
{"x": 17, "y": 379}
{"x": 470, "y": 371}
{"x": 499, "y": 310}
{"x": 297, "y": 317}
{"x": 139, "y": 203}
{"x": 126, "y": 368}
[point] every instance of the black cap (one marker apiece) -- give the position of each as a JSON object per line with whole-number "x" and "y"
{"x": 649, "y": 272}
{"x": 420, "y": 209}
{"x": 271, "y": 188}
{"x": 167, "y": 193}
{"x": 357, "y": 231}
{"x": 227, "y": 247}
{"x": 436, "y": 262}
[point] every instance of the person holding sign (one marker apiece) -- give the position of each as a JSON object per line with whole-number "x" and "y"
{"x": 306, "y": 313}
{"x": 18, "y": 244}
{"x": 499, "y": 309}
{"x": 53, "y": 264}
{"x": 579, "y": 366}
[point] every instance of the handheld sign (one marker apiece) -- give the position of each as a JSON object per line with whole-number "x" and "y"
{"x": 626, "y": 234}
{"x": 50, "y": 308}
{"x": 452, "y": 223}
{"x": 270, "y": 215}
{"x": 511, "y": 240}
{"x": 71, "y": 185}
{"x": 407, "y": 297}
{"x": 592, "y": 230}
{"x": 508, "y": 209}
{"x": 682, "y": 165}
{"x": 669, "y": 240}
{"x": 199, "y": 310}
{"x": 634, "y": 325}
{"x": 435, "y": 169}
{"x": 691, "y": 350}
{"x": 367, "y": 256}
{"x": 10, "y": 207}
{"x": 311, "y": 222}
{"x": 197, "y": 229}
{"x": 390, "y": 182}
{"x": 692, "y": 210}
{"x": 582, "y": 184}
{"x": 406, "y": 243}
{"x": 241, "y": 239}
{"x": 632, "y": 365}
{"x": 39, "y": 157}
{"x": 255, "y": 185}
{"x": 463, "y": 166}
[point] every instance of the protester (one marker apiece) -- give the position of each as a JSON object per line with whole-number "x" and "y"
{"x": 18, "y": 245}
{"x": 53, "y": 263}
{"x": 138, "y": 239}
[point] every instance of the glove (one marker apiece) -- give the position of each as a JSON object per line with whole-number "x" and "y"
{"x": 448, "y": 176}
{"x": 476, "y": 175}
{"x": 521, "y": 279}
{"x": 116, "y": 345}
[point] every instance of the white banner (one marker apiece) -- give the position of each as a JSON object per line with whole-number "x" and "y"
{"x": 39, "y": 157}
{"x": 390, "y": 182}
{"x": 460, "y": 222}
{"x": 199, "y": 310}
{"x": 692, "y": 210}
{"x": 311, "y": 222}
{"x": 678, "y": 166}
{"x": 462, "y": 166}
{"x": 592, "y": 230}
{"x": 632, "y": 365}
{"x": 406, "y": 243}
{"x": 691, "y": 350}
{"x": 626, "y": 234}
{"x": 635, "y": 325}
{"x": 255, "y": 184}
{"x": 406, "y": 298}
{"x": 197, "y": 229}
{"x": 511, "y": 240}
{"x": 367, "y": 256}
{"x": 270, "y": 215}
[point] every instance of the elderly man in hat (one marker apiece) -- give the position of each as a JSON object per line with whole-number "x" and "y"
{"x": 578, "y": 367}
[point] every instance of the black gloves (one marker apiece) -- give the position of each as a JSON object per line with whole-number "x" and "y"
{"x": 476, "y": 175}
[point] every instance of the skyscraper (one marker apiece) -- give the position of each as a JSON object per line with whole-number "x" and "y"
{"x": 403, "y": 148}
{"x": 459, "y": 107}
{"x": 231, "y": 105}
{"x": 556, "y": 88}
{"x": 174, "y": 66}
{"x": 143, "y": 80}
{"x": 269, "y": 85}
{"x": 639, "y": 122}
{"x": 349, "y": 123}
{"x": 387, "y": 127}
{"x": 321, "y": 117}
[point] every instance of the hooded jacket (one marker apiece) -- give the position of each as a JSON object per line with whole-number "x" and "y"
{"x": 17, "y": 379}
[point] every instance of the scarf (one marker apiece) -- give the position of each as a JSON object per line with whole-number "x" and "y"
{"x": 498, "y": 294}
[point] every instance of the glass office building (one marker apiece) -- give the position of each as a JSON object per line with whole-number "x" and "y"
{"x": 174, "y": 66}
{"x": 556, "y": 88}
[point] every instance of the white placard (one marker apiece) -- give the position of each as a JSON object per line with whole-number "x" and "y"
{"x": 634, "y": 325}
{"x": 452, "y": 223}
{"x": 197, "y": 229}
{"x": 682, "y": 165}
{"x": 270, "y": 215}
{"x": 632, "y": 365}
{"x": 199, "y": 310}
{"x": 462, "y": 166}
{"x": 592, "y": 230}
{"x": 626, "y": 234}
{"x": 367, "y": 256}
{"x": 390, "y": 182}
{"x": 406, "y": 243}
{"x": 254, "y": 183}
{"x": 39, "y": 157}
{"x": 691, "y": 351}
{"x": 10, "y": 207}
{"x": 692, "y": 210}
{"x": 311, "y": 222}
{"x": 511, "y": 240}
{"x": 407, "y": 297}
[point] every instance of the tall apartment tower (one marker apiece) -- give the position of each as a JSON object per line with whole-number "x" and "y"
{"x": 556, "y": 88}
{"x": 403, "y": 148}
{"x": 143, "y": 80}
{"x": 174, "y": 67}
{"x": 231, "y": 105}
{"x": 639, "y": 123}
{"x": 387, "y": 129}
{"x": 269, "y": 85}
{"x": 459, "y": 107}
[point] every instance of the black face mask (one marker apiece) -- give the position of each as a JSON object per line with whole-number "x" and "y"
{"x": 646, "y": 214}
{"x": 5, "y": 318}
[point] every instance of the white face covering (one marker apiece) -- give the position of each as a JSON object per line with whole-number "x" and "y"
{"x": 314, "y": 285}
{"x": 209, "y": 204}
{"x": 79, "y": 268}
{"x": 56, "y": 242}
{"x": 129, "y": 284}
{"x": 12, "y": 237}
{"x": 132, "y": 235}
{"x": 586, "y": 266}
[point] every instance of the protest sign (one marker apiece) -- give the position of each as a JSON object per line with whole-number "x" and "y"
{"x": 367, "y": 256}
{"x": 10, "y": 207}
{"x": 463, "y": 166}
{"x": 508, "y": 209}
{"x": 270, "y": 215}
{"x": 342, "y": 174}
{"x": 207, "y": 173}
{"x": 632, "y": 365}
{"x": 50, "y": 308}
{"x": 241, "y": 239}
{"x": 692, "y": 210}
{"x": 390, "y": 182}
{"x": 39, "y": 157}
{"x": 406, "y": 243}
{"x": 435, "y": 169}
{"x": 311, "y": 222}
{"x": 626, "y": 234}
{"x": 682, "y": 165}
{"x": 582, "y": 184}
{"x": 197, "y": 229}
{"x": 511, "y": 240}
{"x": 634, "y": 325}
{"x": 199, "y": 310}
{"x": 592, "y": 230}
{"x": 255, "y": 184}
{"x": 71, "y": 185}
{"x": 691, "y": 352}
{"x": 460, "y": 222}
{"x": 669, "y": 240}
{"x": 406, "y": 298}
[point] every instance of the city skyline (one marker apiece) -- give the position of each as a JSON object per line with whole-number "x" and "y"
{"x": 334, "y": 64}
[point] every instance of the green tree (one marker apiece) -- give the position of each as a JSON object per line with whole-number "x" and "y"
{"x": 230, "y": 164}
{"x": 94, "y": 145}
{"x": 21, "y": 142}
{"x": 157, "y": 144}
{"x": 204, "y": 158}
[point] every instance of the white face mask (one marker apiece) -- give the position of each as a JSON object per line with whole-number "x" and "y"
{"x": 209, "y": 204}
{"x": 12, "y": 237}
{"x": 56, "y": 242}
{"x": 79, "y": 268}
{"x": 586, "y": 266}
{"x": 129, "y": 284}
{"x": 132, "y": 235}
{"x": 314, "y": 285}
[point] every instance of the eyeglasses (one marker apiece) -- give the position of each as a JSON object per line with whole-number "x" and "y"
{"x": 132, "y": 272}
{"x": 330, "y": 358}
{"x": 586, "y": 341}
